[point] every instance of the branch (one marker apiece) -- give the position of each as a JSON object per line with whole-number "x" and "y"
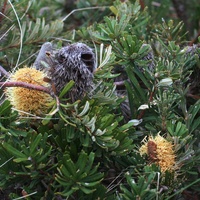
{"x": 26, "y": 85}
{"x": 194, "y": 39}
{"x": 3, "y": 71}
{"x": 142, "y": 4}
{"x": 2, "y": 13}
{"x": 119, "y": 83}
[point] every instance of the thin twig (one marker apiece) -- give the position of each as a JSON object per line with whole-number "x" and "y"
{"x": 81, "y": 9}
{"x": 21, "y": 34}
{"x": 28, "y": 195}
{"x": 112, "y": 185}
{"x": 6, "y": 161}
{"x": 4, "y": 35}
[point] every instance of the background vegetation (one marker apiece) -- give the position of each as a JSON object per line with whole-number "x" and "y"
{"x": 147, "y": 53}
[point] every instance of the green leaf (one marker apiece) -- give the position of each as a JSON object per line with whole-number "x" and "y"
{"x": 46, "y": 154}
{"x": 69, "y": 168}
{"x": 85, "y": 109}
{"x": 3, "y": 129}
{"x": 14, "y": 151}
{"x": 138, "y": 90}
{"x": 143, "y": 78}
{"x": 18, "y": 160}
{"x": 82, "y": 162}
{"x": 5, "y": 108}
{"x": 47, "y": 119}
{"x": 114, "y": 10}
{"x": 90, "y": 162}
{"x": 40, "y": 30}
{"x": 35, "y": 143}
{"x": 62, "y": 181}
{"x": 67, "y": 87}
{"x": 86, "y": 190}
{"x": 93, "y": 178}
{"x": 18, "y": 133}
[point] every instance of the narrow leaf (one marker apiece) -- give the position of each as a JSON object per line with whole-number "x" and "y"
{"x": 14, "y": 151}
{"x": 66, "y": 88}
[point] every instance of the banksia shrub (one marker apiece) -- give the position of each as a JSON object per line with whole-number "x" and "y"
{"x": 116, "y": 84}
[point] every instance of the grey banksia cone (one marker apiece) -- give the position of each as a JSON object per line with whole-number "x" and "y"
{"x": 73, "y": 62}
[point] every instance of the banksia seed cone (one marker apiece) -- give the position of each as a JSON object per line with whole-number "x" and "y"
{"x": 74, "y": 62}
{"x": 29, "y": 100}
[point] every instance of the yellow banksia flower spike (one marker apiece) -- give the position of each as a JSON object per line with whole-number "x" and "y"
{"x": 29, "y": 101}
{"x": 159, "y": 151}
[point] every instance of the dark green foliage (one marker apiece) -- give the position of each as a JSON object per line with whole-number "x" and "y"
{"x": 88, "y": 149}
{"x": 79, "y": 175}
{"x": 139, "y": 190}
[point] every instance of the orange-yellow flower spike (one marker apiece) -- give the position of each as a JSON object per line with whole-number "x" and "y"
{"x": 28, "y": 100}
{"x": 159, "y": 151}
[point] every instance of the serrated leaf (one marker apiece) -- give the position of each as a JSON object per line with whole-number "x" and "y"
{"x": 127, "y": 193}
{"x": 35, "y": 29}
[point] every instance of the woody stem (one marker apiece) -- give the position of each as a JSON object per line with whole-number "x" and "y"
{"x": 3, "y": 71}
{"x": 26, "y": 85}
